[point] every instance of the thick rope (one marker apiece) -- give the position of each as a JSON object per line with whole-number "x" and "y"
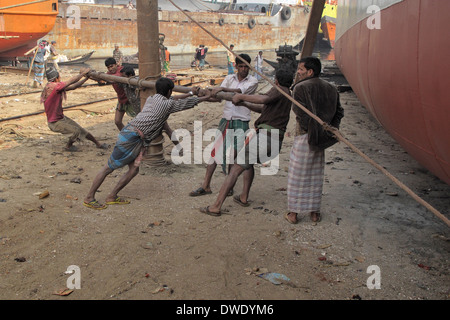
{"x": 329, "y": 128}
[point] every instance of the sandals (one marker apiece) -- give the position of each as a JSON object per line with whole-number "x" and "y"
{"x": 199, "y": 192}
{"x": 72, "y": 148}
{"x": 94, "y": 205}
{"x": 206, "y": 211}
{"x": 118, "y": 200}
{"x": 104, "y": 146}
{"x": 315, "y": 217}
{"x": 237, "y": 199}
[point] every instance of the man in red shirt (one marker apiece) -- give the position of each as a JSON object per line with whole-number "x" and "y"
{"x": 52, "y": 97}
{"x": 122, "y": 104}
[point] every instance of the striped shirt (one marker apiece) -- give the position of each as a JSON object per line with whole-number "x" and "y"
{"x": 155, "y": 113}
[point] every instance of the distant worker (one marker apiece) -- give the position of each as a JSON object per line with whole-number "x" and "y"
{"x": 117, "y": 55}
{"x": 162, "y": 52}
{"x": 202, "y": 58}
{"x": 39, "y": 65}
{"x": 258, "y": 65}
{"x": 197, "y": 57}
{"x": 52, "y": 97}
{"x": 130, "y": 5}
{"x": 230, "y": 60}
{"x": 53, "y": 55}
{"x": 167, "y": 60}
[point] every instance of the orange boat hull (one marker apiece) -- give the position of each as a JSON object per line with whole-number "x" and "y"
{"x": 21, "y": 25}
{"x": 399, "y": 72}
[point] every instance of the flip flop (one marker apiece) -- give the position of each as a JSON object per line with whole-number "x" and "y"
{"x": 71, "y": 149}
{"x": 119, "y": 200}
{"x": 206, "y": 211}
{"x": 104, "y": 146}
{"x": 199, "y": 192}
{"x": 94, "y": 205}
{"x": 237, "y": 199}
{"x": 286, "y": 216}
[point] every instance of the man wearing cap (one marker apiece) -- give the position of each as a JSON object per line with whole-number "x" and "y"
{"x": 117, "y": 55}
{"x": 52, "y": 97}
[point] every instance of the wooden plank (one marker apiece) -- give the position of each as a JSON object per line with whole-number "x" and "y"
{"x": 313, "y": 26}
{"x": 16, "y": 70}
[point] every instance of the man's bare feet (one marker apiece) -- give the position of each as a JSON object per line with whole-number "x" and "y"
{"x": 291, "y": 217}
{"x": 315, "y": 216}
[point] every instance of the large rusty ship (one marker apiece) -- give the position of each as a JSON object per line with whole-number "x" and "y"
{"x": 249, "y": 25}
{"x": 395, "y": 55}
{"x": 22, "y": 23}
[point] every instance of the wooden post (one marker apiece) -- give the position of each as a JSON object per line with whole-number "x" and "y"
{"x": 148, "y": 43}
{"x": 149, "y": 64}
{"x": 311, "y": 31}
{"x": 313, "y": 27}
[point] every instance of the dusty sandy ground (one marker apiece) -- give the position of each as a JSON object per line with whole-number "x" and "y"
{"x": 160, "y": 247}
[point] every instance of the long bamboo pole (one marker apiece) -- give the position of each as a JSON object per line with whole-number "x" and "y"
{"x": 31, "y": 65}
{"x": 150, "y": 84}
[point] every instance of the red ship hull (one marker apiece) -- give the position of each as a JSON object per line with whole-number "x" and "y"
{"x": 400, "y": 72}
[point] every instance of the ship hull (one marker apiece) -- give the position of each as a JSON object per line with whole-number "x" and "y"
{"x": 100, "y": 27}
{"x": 22, "y": 25}
{"x": 399, "y": 70}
